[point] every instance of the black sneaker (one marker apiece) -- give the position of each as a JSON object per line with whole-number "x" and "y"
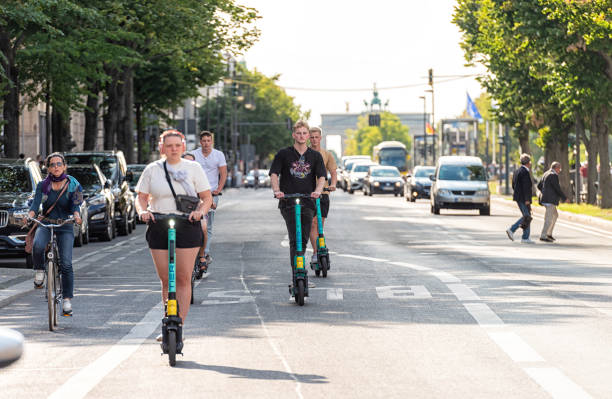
{"x": 203, "y": 265}
{"x": 551, "y": 238}
{"x": 546, "y": 239}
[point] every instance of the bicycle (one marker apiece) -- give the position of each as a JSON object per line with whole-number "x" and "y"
{"x": 53, "y": 277}
{"x": 172, "y": 324}
{"x": 299, "y": 289}
{"x": 321, "y": 266}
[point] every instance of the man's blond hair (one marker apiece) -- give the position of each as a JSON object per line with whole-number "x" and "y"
{"x": 301, "y": 123}
{"x": 316, "y": 129}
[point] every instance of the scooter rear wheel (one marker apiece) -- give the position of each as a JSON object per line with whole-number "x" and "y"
{"x": 172, "y": 347}
{"x": 299, "y": 295}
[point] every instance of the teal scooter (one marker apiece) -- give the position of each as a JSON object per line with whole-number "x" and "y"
{"x": 299, "y": 289}
{"x": 321, "y": 266}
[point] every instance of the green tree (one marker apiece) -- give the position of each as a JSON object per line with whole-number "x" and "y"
{"x": 362, "y": 140}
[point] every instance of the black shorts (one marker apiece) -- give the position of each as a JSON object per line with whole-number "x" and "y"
{"x": 188, "y": 234}
{"x": 324, "y": 205}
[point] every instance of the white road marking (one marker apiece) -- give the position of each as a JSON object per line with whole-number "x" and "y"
{"x": 401, "y": 291}
{"x": 515, "y": 347}
{"x": 483, "y": 314}
{"x": 411, "y": 266}
{"x": 334, "y": 294}
{"x": 556, "y": 383}
{"x": 363, "y": 258}
{"x": 79, "y": 385}
{"x": 445, "y": 277}
{"x": 233, "y": 295}
{"x": 463, "y": 292}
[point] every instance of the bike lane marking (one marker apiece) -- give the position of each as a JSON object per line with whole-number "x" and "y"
{"x": 81, "y": 383}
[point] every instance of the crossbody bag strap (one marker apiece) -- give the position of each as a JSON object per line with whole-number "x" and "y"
{"x": 58, "y": 197}
{"x": 168, "y": 179}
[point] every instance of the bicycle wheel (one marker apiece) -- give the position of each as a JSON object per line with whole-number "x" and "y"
{"x": 51, "y": 294}
{"x": 299, "y": 295}
{"x": 58, "y": 293}
{"x": 324, "y": 261}
{"x": 192, "y": 283}
{"x": 172, "y": 347}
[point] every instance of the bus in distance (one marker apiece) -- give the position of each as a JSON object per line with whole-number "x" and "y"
{"x": 391, "y": 153}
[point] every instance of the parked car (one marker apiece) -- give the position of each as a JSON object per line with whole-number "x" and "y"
{"x": 18, "y": 180}
{"x": 114, "y": 167}
{"x": 357, "y": 173}
{"x": 98, "y": 200}
{"x": 418, "y": 184}
{"x": 460, "y": 183}
{"x": 134, "y": 171}
{"x": 383, "y": 180}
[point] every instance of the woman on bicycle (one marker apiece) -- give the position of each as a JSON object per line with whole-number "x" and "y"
{"x": 64, "y": 193}
{"x": 155, "y": 197}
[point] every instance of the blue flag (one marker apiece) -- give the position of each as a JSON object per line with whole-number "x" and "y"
{"x": 472, "y": 110}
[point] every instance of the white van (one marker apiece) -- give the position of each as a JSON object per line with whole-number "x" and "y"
{"x": 460, "y": 182}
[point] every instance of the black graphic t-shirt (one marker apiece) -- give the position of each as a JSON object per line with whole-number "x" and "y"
{"x": 298, "y": 173}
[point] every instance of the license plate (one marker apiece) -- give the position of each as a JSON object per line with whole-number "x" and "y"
{"x": 388, "y": 188}
{"x": 463, "y": 199}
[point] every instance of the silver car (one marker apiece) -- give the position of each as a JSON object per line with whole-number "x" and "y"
{"x": 460, "y": 183}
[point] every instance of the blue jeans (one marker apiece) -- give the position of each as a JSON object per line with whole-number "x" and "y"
{"x": 65, "y": 241}
{"x": 525, "y": 212}
{"x": 210, "y": 218}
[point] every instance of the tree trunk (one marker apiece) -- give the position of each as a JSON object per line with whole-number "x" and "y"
{"x": 10, "y": 100}
{"x": 591, "y": 144}
{"x": 91, "y": 117}
{"x": 128, "y": 119}
{"x": 140, "y": 134}
{"x": 605, "y": 181}
{"x": 523, "y": 136}
{"x": 111, "y": 116}
{"x": 563, "y": 157}
{"x": 60, "y": 127}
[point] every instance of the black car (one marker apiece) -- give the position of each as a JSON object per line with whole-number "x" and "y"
{"x": 99, "y": 200}
{"x": 114, "y": 167}
{"x": 383, "y": 180}
{"x": 18, "y": 180}
{"x": 418, "y": 184}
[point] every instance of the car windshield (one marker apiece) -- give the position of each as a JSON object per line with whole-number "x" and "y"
{"x": 136, "y": 173}
{"x": 424, "y": 172}
{"x": 361, "y": 168}
{"x": 462, "y": 172}
{"x": 88, "y": 177}
{"x": 385, "y": 173}
{"x": 393, "y": 157}
{"x": 108, "y": 164}
{"x": 14, "y": 179}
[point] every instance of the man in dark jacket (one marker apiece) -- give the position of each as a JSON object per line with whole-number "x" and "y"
{"x": 522, "y": 185}
{"x": 551, "y": 193}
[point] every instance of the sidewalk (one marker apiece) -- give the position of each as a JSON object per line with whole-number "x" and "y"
{"x": 497, "y": 200}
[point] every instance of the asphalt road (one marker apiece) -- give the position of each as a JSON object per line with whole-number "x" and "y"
{"x": 415, "y": 305}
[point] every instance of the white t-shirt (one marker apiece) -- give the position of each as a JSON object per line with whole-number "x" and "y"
{"x": 211, "y": 165}
{"x": 153, "y": 182}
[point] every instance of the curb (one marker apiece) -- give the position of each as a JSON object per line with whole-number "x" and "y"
{"x": 563, "y": 215}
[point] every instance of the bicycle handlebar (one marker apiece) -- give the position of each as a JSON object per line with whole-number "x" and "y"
{"x": 69, "y": 220}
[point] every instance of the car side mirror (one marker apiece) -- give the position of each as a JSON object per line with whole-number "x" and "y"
{"x": 432, "y": 177}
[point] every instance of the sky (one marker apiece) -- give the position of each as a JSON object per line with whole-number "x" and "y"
{"x": 340, "y": 44}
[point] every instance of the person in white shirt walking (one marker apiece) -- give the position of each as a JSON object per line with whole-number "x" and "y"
{"x": 215, "y": 168}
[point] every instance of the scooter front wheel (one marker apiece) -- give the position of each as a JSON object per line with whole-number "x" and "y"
{"x": 299, "y": 295}
{"x": 172, "y": 348}
{"x": 324, "y": 262}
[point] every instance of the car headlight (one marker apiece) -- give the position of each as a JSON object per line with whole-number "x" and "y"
{"x": 482, "y": 193}
{"x": 398, "y": 184}
{"x": 354, "y": 179}
{"x": 98, "y": 216}
{"x": 443, "y": 191}
{"x": 376, "y": 184}
{"x": 20, "y": 215}
{"x": 97, "y": 200}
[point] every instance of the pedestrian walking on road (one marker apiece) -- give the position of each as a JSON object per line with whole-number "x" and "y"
{"x": 551, "y": 193}
{"x": 523, "y": 191}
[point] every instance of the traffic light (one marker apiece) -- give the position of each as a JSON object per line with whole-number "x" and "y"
{"x": 374, "y": 120}
{"x": 430, "y": 76}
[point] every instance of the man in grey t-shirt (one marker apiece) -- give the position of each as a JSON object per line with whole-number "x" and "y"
{"x": 215, "y": 167}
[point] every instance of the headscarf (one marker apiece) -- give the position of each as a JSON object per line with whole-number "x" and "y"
{"x": 46, "y": 186}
